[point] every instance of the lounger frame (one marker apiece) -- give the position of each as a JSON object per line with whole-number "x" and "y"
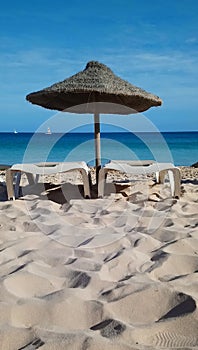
{"x": 143, "y": 167}
{"x": 32, "y": 171}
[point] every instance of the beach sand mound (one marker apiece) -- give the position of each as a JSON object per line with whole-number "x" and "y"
{"x": 118, "y": 273}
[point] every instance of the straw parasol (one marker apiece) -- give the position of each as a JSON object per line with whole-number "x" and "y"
{"x": 89, "y": 90}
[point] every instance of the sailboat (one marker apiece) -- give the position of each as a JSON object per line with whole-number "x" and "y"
{"x": 48, "y": 131}
{"x": 15, "y": 132}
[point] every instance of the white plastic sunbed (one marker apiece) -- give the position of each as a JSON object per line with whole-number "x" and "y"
{"x": 33, "y": 171}
{"x": 142, "y": 167}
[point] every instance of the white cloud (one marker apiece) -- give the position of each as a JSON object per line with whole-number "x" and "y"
{"x": 191, "y": 40}
{"x": 170, "y": 75}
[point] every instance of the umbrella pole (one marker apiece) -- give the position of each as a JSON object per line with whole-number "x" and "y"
{"x": 97, "y": 143}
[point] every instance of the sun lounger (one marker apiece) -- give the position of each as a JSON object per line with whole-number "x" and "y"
{"x": 33, "y": 171}
{"x": 142, "y": 167}
{"x": 4, "y": 166}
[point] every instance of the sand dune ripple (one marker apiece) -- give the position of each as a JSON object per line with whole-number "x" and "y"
{"x": 118, "y": 273}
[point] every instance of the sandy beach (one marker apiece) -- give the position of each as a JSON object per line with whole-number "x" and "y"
{"x": 118, "y": 273}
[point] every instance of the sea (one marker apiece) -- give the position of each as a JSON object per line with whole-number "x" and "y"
{"x": 180, "y": 148}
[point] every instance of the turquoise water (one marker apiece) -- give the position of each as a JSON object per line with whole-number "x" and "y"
{"x": 179, "y": 147}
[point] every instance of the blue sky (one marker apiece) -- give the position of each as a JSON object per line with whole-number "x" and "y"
{"x": 152, "y": 44}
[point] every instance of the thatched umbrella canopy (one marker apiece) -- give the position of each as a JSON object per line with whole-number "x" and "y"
{"x": 96, "y": 83}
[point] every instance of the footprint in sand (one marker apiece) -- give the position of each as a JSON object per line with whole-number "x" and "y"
{"x": 28, "y": 285}
{"x": 173, "y": 265}
{"x": 177, "y": 333}
{"x": 134, "y": 308}
{"x": 109, "y": 328}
